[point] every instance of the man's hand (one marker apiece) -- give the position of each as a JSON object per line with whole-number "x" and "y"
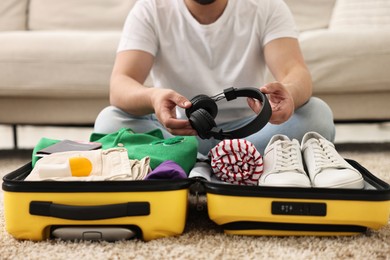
{"x": 281, "y": 101}
{"x": 164, "y": 102}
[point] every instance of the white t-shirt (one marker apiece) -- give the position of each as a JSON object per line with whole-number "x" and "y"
{"x": 192, "y": 58}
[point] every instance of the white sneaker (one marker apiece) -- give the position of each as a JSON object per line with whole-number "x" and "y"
{"x": 326, "y": 168}
{"x": 282, "y": 162}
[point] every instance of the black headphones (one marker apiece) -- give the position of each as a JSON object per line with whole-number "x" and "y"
{"x": 204, "y": 109}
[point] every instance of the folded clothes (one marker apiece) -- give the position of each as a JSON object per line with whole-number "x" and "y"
{"x": 236, "y": 161}
{"x": 203, "y": 170}
{"x": 167, "y": 170}
{"x": 96, "y": 165}
{"x": 181, "y": 149}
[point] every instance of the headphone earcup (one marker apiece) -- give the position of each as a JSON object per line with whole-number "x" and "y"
{"x": 204, "y": 102}
{"x": 202, "y": 122}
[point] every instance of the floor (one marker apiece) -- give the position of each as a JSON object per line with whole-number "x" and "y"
{"x": 28, "y": 136}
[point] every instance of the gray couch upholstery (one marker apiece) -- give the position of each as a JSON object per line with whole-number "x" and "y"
{"x": 56, "y": 58}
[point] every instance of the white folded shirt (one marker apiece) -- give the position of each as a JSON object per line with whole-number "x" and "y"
{"x": 104, "y": 165}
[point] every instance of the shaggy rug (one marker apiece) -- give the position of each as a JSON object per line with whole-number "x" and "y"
{"x": 202, "y": 239}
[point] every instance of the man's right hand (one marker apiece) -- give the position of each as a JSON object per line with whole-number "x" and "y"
{"x": 164, "y": 102}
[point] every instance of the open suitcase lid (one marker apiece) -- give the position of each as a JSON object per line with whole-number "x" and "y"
{"x": 93, "y": 210}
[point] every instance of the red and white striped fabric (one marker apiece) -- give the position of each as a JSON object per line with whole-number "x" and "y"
{"x": 236, "y": 161}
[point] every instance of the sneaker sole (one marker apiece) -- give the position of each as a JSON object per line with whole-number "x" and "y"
{"x": 285, "y": 185}
{"x": 358, "y": 184}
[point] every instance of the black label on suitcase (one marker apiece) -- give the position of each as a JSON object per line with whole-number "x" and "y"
{"x": 298, "y": 208}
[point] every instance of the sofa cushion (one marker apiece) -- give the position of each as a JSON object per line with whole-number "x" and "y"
{"x": 361, "y": 14}
{"x": 57, "y": 63}
{"x": 13, "y": 15}
{"x": 50, "y": 111}
{"x": 353, "y": 62}
{"x": 311, "y": 14}
{"x": 78, "y": 14}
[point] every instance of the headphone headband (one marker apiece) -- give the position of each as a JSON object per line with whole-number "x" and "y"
{"x": 252, "y": 127}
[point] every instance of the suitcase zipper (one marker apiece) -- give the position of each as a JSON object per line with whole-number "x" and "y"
{"x": 197, "y": 189}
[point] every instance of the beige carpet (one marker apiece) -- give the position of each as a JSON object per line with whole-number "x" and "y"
{"x": 203, "y": 240}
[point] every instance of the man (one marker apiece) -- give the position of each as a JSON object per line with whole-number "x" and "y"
{"x": 193, "y": 47}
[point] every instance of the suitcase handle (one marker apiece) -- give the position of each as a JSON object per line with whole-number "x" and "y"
{"x": 50, "y": 209}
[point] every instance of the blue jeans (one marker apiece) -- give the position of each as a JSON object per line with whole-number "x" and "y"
{"x": 315, "y": 115}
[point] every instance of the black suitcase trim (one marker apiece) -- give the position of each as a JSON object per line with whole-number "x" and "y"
{"x": 380, "y": 193}
{"x": 251, "y": 225}
{"x": 14, "y": 182}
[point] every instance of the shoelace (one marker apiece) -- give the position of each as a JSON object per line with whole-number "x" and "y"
{"x": 287, "y": 157}
{"x": 324, "y": 155}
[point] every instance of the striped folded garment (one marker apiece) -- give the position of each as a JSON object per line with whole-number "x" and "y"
{"x": 236, "y": 161}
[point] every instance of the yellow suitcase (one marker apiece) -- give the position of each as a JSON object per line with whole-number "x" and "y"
{"x": 254, "y": 210}
{"x": 148, "y": 209}
{"x": 155, "y": 209}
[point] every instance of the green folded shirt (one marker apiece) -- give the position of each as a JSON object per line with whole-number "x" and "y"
{"x": 180, "y": 149}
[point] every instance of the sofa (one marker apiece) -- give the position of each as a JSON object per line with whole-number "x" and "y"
{"x": 56, "y": 57}
{"x": 346, "y": 45}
